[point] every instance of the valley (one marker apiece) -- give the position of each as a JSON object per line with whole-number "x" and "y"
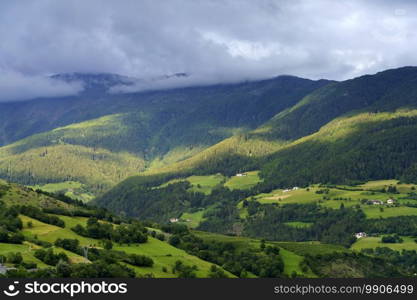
{"x": 284, "y": 177}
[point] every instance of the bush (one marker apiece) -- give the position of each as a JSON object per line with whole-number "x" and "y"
{"x": 184, "y": 271}
{"x": 14, "y": 258}
{"x": 49, "y": 257}
{"x": 160, "y": 236}
{"x": 391, "y": 239}
{"x": 139, "y": 260}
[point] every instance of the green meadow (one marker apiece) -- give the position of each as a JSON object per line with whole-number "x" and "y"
{"x": 205, "y": 184}
{"x": 349, "y": 196}
{"x": 192, "y": 220}
{"x": 249, "y": 180}
{"x": 72, "y": 189}
{"x": 165, "y": 256}
{"x": 374, "y": 242}
{"x": 374, "y": 212}
{"x": 25, "y": 249}
{"x": 299, "y": 224}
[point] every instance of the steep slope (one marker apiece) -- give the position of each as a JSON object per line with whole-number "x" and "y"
{"x": 14, "y": 194}
{"x": 383, "y": 92}
{"x": 372, "y": 137}
{"x": 151, "y": 130}
{"x": 365, "y": 146}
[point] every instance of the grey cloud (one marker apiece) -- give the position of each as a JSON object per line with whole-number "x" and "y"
{"x": 214, "y": 41}
{"x": 15, "y": 87}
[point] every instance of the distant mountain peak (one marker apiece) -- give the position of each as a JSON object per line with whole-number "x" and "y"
{"x": 96, "y": 82}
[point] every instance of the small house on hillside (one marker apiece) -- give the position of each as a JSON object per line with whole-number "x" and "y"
{"x": 295, "y": 188}
{"x": 359, "y": 235}
{"x": 390, "y": 201}
{"x": 240, "y": 174}
{"x": 377, "y": 202}
{"x": 173, "y": 220}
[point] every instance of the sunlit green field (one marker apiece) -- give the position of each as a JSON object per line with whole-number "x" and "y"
{"x": 20, "y": 195}
{"x": 299, "y": 224}
{"x": 194, "y": 218}
{"x": 374, "y": 212}
{"x": 348, "y": 196}
{"x": 374, "y": 242}
{"x": 71, "y": 189}
{"x": 164, "y": 255}
{"x": 379, "y": 184}
{"x": 25, "y": 249}
{"x": 51, "y": 233}
{"x": 312, "y": 248}
{"x": 243, "y": 182}
{"x": 292, "y": 263}
{"x": 205, "y": 184}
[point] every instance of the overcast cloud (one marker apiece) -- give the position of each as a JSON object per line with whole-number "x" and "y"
{"x": 213, "y": 41}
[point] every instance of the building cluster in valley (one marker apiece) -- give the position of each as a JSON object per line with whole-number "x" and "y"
{"x": 380, "y": 202}
{"x": 289, "y": 190}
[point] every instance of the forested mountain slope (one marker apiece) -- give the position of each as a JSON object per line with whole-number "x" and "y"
{"x": 127, "y": 133}
{"x": 370, "y": 134}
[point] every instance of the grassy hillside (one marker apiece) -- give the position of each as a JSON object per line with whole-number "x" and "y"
{"x": 163, "y": 254}
{"x": 14, "y": 194}
{"x": 39, "y": 235}
{"x": 96, "y": 168}
{"x": 374, "y": 242}
{"x": 357, "y": 130}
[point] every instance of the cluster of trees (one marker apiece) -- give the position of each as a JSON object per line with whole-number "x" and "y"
{"x": 10, "y": 224}
{"x": 134, "y": 232}
{"x": 9, "y": 219}
{"x": 49, "y": 257}
{"x": 16, "y": 259}
{"x": 405, "y": 259}
{"x": 151, "y": 203}
{"x": 223, "y": 214}
{"x": 138, "y": 260}
{"x": 147, "y": 200}
{"x": 184, "y": 271}
{"x": 38, "y": 214}
{"x": 403, "y": 225}
{"x": 262, "y": 262}
{"x": 96, "y": 269}
{"x": 72, "y": 245}
{"x": 352, "y": 264}
{"x": 395, "y": 238}
{"x": 333, "y": 226}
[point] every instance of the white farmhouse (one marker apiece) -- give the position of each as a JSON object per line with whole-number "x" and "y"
{"x": 377, "y": 202}
{"x": 359, "y": 235}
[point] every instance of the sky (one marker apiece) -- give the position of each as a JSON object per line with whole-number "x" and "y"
{"x": 214, "y": 41}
